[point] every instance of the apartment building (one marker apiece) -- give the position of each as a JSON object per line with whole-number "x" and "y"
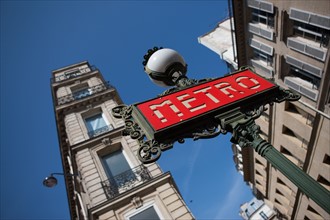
{"x": 288, "y": 42}
{"x": 109, "y": 182}
{"x": 256, "y": 210}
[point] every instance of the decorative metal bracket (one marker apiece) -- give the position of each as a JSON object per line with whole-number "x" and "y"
{"x": 287, "y": 95}
{"x": 150, "y": 150}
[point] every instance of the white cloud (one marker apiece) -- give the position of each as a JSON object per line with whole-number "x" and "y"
{"x": 230, "y": 202}
{"x": 191, "y": 165}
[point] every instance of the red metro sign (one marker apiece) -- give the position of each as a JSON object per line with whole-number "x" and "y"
{"x": 197, "y": 102}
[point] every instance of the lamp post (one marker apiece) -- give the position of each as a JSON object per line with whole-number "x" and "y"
{"x": 148, "y": 122}
{"x": 51, "y": 181}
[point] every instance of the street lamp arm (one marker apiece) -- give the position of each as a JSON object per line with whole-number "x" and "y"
{"x": 65, "y": 174}
{"x": 51, "y": 181}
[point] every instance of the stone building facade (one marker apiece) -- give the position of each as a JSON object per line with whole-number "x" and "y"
{"x": 111, "y": 183}
{"x": 288, "y": 42}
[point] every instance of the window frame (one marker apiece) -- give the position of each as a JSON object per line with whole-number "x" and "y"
{"x": 101, "y": 157}
{"x": 116, "y": 144}
{"x": 136, "y": 211}
{"x": 263, "y": 17}
{"x": 312, "y": 33}
{"x": 93, "y": 113}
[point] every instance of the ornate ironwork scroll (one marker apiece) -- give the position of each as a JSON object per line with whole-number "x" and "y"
{"x": 287, "y": 95}
{"x": 150, "y": 150}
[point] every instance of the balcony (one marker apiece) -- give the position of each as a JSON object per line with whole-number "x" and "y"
{"x": 307, "y": 47}
{"x": 315, "y": 71}
{"x": 126, "y": 181}
{"x": 262, "y": 68}
{"x": 303, "y": 87}
{"x": 261, "y": 5}
{"x": 261, "y": 30}
{"x": 88, "y": 91}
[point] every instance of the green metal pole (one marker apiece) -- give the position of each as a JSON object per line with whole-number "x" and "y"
{"x": 246, "y": 133}
{"x": 310, "y": 187}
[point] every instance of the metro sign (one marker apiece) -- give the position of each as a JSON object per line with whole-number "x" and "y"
{"x": 172, "y": 115}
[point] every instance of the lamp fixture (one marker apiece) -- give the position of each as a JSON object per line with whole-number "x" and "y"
{"x": 51, "y": 181}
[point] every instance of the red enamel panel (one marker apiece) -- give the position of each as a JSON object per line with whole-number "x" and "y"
{"x": 180, "y": 106}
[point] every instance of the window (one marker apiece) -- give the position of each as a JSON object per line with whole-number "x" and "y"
{"x": 149, "y": 213}
{"x": 118, "y": 170}
{"x": 259, "y": 16}
{"x": 97, "y": 125}
{"x": 81, "y": 92}
{"x": 266, "y": 58}
{"x": 261, "y": 47}
{"x": 314, "y": 81}
{"x": 312, "y": 33}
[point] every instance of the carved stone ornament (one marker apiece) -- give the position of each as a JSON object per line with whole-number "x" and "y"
{"x": 106, "y": 141}
{"x": 137, "y": 202}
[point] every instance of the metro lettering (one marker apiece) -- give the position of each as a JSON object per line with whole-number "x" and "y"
{"x": 201, "y": 99}
{"x": 187, "y": 104}
{"x": 227, "y": 89}
{"x": 255, "y": 83}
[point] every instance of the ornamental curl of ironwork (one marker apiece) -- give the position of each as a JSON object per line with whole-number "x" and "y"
{"x": 122, "y": 111}
{"x": 256, "y": 111}
{"x": 150, "y": 150}
{"x": 287, "y": 95}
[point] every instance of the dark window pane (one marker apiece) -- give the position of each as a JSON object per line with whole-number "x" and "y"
{"x": 147, "y": 214}
{"x": 95, "y": 122}
{"x": 115, "y": 163}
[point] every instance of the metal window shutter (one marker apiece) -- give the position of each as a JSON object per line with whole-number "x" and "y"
{"x": 320, "y": 21}
{"x": 255, "y": 44}
{"x": 312, "y": 94}
{"x": 310, "y": 18}
{"x": 313, "y": 70}
{"x": 254, "y": 29}
{"x": 266, "y": 6}
{"x": 304, "y": 66}
{"x": 253, "y": 4}
{"x": 262, "y": 47}
{"x": 309, "y": 93}
{"x": 266, "y": 49}
{"x": 299, "y": 15}
{"x": 268, "y": 73}
{"x": 261, "y": 5}
{"x": 291, "y": 84}
{"x": 314, "y": 52}
{"x": 294, "y": 62}
{"x": 266, "y": 34}
{"x": 296, "y": 45}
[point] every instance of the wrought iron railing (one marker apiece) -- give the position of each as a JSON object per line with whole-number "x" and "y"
{"x": 100, "y": 131}
{"x": 125, "y": 181}
{"x": 73, "y": 74}
{"x": 77, "y": 96}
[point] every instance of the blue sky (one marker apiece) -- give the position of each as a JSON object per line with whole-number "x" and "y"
{"x": 40, "y": 36}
